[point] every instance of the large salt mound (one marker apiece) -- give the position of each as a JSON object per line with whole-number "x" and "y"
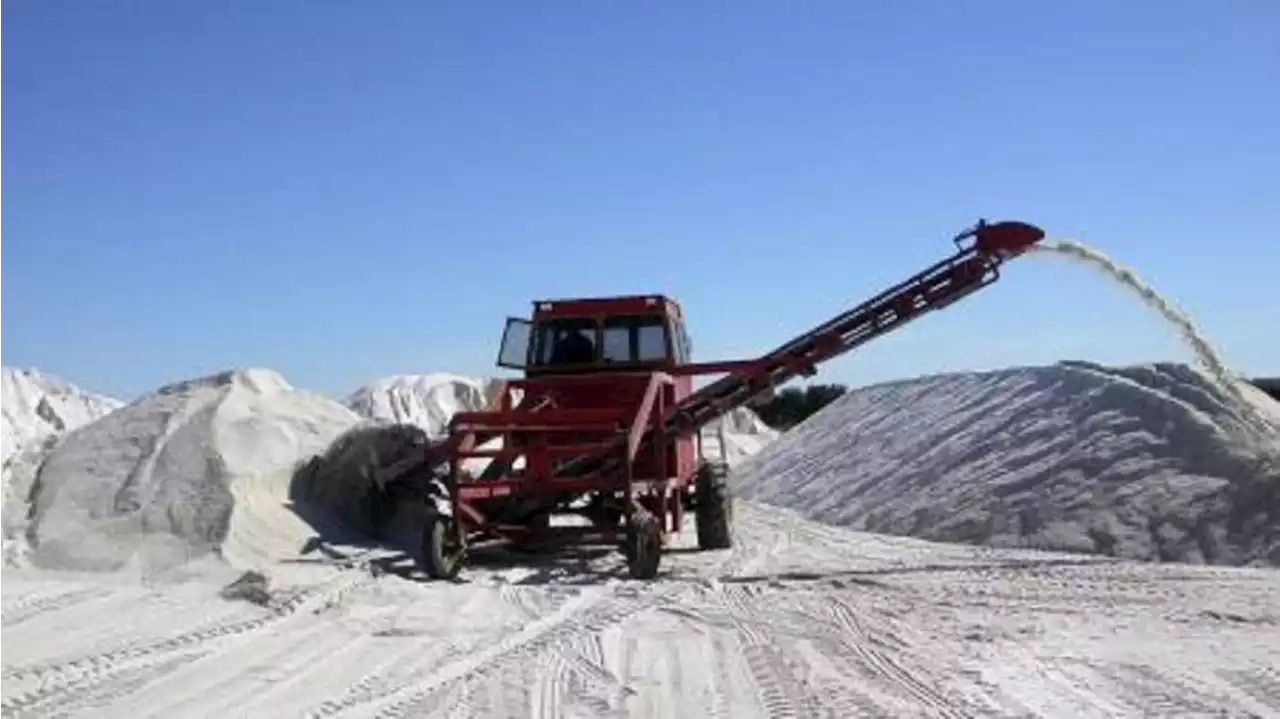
{"x": 38, "y": 408}
{"x": 194, "y": 467}
{"x": 1151, "y": 462}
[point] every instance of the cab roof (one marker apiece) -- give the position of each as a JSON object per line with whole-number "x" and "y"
{"x": 589, "y": 306}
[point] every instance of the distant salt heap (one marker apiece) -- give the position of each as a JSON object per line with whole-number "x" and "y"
{"x": 1152, "y": 462}
{"x": 38, "y": 406}
{"x": 427, "y": 401}
{"x": 38, "y": 409}
{"x": 179, "y": 471}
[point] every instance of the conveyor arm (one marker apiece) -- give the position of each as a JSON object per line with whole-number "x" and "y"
{"x": 981, "y": 250}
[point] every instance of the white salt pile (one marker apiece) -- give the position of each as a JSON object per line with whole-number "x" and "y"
{"x": 37, "y": 410}
{"x": 1153, "y": 462}
{"x": 425, "y": 400}
{"x": 194, "y": 467}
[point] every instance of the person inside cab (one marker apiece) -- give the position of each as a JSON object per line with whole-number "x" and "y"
{"x": 573, "y": 347}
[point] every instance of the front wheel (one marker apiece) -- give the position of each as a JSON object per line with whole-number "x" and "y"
{"x": 714, "y": 506}
{"x": 442, "y": 547}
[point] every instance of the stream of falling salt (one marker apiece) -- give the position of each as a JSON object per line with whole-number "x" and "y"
{"x": 1205, "y": 353}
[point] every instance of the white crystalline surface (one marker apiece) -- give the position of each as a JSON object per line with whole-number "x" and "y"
{"x": 168, "y": 499}
{"x": 1151, "y": 462}
{"x": 193, "y": 467}
{"x": 36, "y": 410}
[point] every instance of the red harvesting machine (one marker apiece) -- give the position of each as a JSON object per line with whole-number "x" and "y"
{"x": 605, "y": 424}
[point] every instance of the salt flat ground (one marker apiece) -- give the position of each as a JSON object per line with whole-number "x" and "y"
{"x": 799, "y": 620}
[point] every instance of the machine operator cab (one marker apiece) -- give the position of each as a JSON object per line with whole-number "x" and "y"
{"x": 640, "y": 333}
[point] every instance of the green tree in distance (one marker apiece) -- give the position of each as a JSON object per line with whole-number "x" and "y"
{"x": 1270, "y": 385}
{"x": 793, "y": 405}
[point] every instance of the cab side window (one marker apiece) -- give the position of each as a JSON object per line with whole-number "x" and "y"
{"x": 638, "y": 338}
{"x": 651, "y": 342}
{"x": 616, "y": 343}
{"x": 680, "y": 339}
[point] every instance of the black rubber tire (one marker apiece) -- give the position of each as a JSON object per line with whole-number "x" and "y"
{"x": 643, "y": 547}
{"x": 713, "y": 506}
{"x": 442, "y": 556}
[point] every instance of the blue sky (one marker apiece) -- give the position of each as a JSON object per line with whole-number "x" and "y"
{"x": 344, "y": 190}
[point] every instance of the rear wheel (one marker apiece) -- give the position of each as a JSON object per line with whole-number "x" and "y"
{"x": 442, "y": 548}
{"x": 713, "y": 506}
{"x": 643, "y": 545}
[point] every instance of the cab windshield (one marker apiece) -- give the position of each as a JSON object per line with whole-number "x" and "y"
{"x": 582, "y": 341}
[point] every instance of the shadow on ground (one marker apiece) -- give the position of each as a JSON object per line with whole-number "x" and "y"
{"x": 566, "y": 566}
{"x": 868, "y": 577}
{"x": 355, "y": 524}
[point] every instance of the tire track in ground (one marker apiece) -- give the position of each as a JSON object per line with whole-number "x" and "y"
{"x": 778, "y": 637}
{"x": 510, "y": 696}
{"x": 860, "y": 646}
{"x": 1157, "y": 693}
{"x": 93, "y": 689}
{"x": 591, "y": 614}
{"x": 1262, "y": 684}
{"x": 779, "y": 689}
{"x": 33, "y": 606}
{"x": 592, "y": 684}
{"x": 246, "y": 677}
{"x": 722, "y": 683}
{"x": 835, "y": 687}
{"x": 380, "y": 682}
{"x": 599, "y": 608}
{"x": 589, "y": 681}
{"x": 835, "y": 691}
{"x": 465, "y": 705}
{"x": 69, "y": 670}
{"x": 551, "y": 679}
{"x": 66, "y": 672}
{"x": 376, "y": 685}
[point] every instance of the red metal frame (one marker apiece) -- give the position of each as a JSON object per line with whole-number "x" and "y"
{"x": 631, "y": 433}
{"x": 530, "y": 433}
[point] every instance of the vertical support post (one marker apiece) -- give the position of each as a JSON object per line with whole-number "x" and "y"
{"x": 629, "y": 488}
{"x": 671, "y": 469}
{"x": 451, "y": 485}
{"x": 724, "y": 444}
{"x": 537, "y": 462}
{"x": 663, "y": 456}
